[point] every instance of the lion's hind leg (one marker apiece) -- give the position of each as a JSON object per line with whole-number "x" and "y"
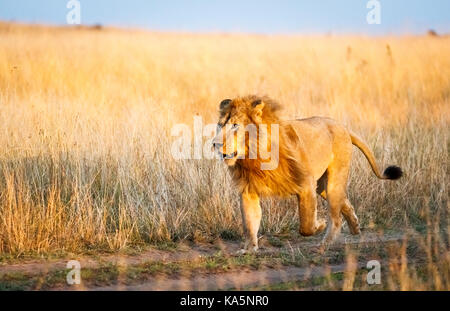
{"x": 349, "y": 214}
{"x": 307, "y": 211}
{"x": 347, "y": 209}
{"x": 338, "y": 203}
{"x": 337, "y": 199}
{"x": 337, "y": 175}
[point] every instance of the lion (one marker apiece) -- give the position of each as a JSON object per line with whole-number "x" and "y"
{"x": 314, "y": 156}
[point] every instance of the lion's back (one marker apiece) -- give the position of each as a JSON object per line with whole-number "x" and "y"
{"x": 320, "y": 138}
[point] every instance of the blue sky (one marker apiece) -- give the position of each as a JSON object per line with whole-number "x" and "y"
{"x": 263, "y": 16}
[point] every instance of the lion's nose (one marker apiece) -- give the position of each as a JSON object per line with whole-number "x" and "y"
{"x": 217, "y": 145}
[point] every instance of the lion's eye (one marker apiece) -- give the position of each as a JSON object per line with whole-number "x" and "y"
{"x": 235, "y": 126}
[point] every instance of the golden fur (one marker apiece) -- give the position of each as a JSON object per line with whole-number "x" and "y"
{"x": 313, "y": 156}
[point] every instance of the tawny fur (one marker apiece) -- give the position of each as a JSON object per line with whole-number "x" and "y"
{"x": 314, "y": 156}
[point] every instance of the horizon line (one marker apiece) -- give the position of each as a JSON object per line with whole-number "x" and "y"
{"x": 100, "y": 26}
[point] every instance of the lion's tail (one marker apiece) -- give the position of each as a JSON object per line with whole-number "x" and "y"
{"x": 391, "y": 172}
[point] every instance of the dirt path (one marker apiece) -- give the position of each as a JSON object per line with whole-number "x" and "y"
{"x": 240, "y": 277}
{"x": 238, "y": 280}
{"x": 188, "y": 253}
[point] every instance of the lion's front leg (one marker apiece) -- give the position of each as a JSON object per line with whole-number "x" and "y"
{"x": 251, "y": 219}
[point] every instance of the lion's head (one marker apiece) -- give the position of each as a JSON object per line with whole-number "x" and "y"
{"x": 239, "y": 126}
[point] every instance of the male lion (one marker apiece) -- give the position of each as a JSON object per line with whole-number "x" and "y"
{"x": 314, "y": 155}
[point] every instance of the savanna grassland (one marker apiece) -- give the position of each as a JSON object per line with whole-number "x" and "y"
{"x": 86, "y": 118}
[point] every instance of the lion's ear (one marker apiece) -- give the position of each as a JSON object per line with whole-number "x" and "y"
{"x": 225, "y": 103}
{"x": 258, "y": 106}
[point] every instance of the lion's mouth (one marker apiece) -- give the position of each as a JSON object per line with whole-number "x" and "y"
{"x": 227, "y": 156}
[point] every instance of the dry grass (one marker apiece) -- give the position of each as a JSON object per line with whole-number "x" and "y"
{"x": 85, "y": 118}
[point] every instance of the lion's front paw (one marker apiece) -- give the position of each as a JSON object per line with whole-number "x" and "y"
{"x": 329, "y": 239}
{"x": 242, "y": 251}
{"x": 247, "y": 250}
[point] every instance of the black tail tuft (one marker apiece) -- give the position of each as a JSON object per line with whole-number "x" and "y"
{"x": 393, "y": 172}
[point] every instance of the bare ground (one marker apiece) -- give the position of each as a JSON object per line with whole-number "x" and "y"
{"x": 241, "y": 277}
{"x": 236, "y": 280}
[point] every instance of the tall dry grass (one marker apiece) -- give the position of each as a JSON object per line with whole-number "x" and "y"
{"x": 85, "y": 119}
